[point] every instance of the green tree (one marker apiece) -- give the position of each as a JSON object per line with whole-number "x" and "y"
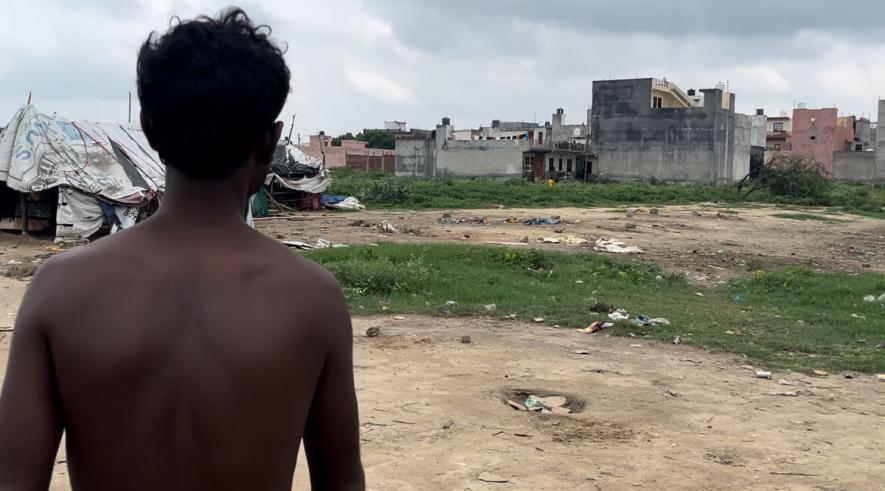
{"x": 373, "y": 138}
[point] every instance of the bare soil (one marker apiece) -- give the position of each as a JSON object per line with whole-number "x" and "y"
{"x": 434, "y": 413}
{"x": 659, "y": 416}
{"x": 707, "y": 243}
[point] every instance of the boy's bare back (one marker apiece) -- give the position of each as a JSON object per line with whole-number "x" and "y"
{"x": 190, "y": 352}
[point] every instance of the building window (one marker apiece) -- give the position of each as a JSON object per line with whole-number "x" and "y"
{"x": 858, "y": 147}
{"x": 813, "y": 138}
{"x": 777, "y": 147}
{"x": 552, "y": 167}
{"x": 568, "y": 165}
{"x": 778, "y": 127}
{"x": 560, "y": 165}
{"x": 657, "y": 102}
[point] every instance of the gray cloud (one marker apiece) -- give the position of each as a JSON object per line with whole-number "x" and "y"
{"x": 356, "y": 63}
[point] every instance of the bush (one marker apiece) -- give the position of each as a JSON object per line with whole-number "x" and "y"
{"x": 388, "y": 190}
{"x": 797, "y": 177}
{"x": 374, "y": 275}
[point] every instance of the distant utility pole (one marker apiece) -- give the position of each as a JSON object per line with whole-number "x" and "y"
{"x": 291, "y": 127}
{"x": 130, "y": 106}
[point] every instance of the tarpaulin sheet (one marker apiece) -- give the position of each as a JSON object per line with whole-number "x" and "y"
{"x": 296, "y": 160}
{"x": 114, "y": 161}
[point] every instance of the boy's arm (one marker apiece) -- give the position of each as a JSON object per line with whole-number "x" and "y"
{"x": 331, "y": 437}
{"x": 30, "y": 416}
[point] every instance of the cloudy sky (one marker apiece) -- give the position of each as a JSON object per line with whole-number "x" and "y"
{"x": 358, "y": 63}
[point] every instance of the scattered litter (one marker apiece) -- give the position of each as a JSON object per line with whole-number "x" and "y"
{"x": 579, "y": 282}
{"x": 387, "y": 227}
{"x": 659, "y": 278}
{"x": 13, "y": 262}
{"x": 619, "y": 315}
{"x": 320, "y": 244}
{"x": 448, "y": 220}
{"x": 581, "y": 352}
{"x": 880, "y": 377}
{"x": 538, "y": 320}
{"x": 763, "y": 374}
{"x": 554, "y": 401}
{"x": 660, "y": 321}
{"x": 596, "y": 327}
{"x": 549, "y": 240}
{"x": 821, "y": 373}
{"x": 509, "y": 317}
{"x": 451, "y": 303}
{"x": 635, "y": 345}
{"x": 848, "y": 374}
{"x": 339, "y": 202}
{"x": 524, "y": 240}
{"x": 492, "y": 478}
{"x": 737, "y": 299}
{"x": 786, "y": 382}
{"x": 398, "y": 318}
{"x": 677, "y": 340}
{"x": 574, "y": 241}
{"x": 797, "y": 393}
{"x": 632, "y": 211}
{"x": 616, "y": 247}
{"x": 19, "y": 270}
{"x": 55, "y": 249}
{"x": 504, "y": 243}
{"x": 490, "y": 307}
{"x": 466, "y": 340}
{"x": 543, "y": 221}
{"x": 869, "y": 298}
{"x": 699, "y": 294}
{"x": 736, "y": 332}
{"x": 747, "y": 367}
{"x": 373, "y": 332}
{"x": 517, "y": 406}
{"x": 641, "y": 320}
{"x": 601, "y": 307}
{"x": 672, "y": 394}
{"x": 533, "y": 403}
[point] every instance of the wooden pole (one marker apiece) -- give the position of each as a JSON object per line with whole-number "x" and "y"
{"x": 24, "y": 209}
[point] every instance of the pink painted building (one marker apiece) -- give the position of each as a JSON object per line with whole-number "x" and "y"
{"x": 820, "y": 132}
{"x": 337, "y": 156}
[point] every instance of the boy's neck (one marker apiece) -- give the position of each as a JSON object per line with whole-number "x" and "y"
{"x": 217, "y": 200}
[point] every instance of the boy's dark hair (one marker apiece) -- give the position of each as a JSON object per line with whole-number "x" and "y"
{"x": 210, "y": 89}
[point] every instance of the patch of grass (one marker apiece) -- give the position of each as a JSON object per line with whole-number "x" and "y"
{"x": 763, "y": 311}
{"x": 378, "y": 190}
{"x": 805, "y": 217}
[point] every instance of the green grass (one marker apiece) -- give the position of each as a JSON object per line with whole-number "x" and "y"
{"x": 420, "y": 279}
{"x": 805, "y": 217}
{"x": 384, "y": 191}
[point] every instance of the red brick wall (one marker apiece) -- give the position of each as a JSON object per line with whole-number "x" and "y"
{"x": 371, "y": 163}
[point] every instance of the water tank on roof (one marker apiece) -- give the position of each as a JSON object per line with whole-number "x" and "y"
{"x": 446, "y": 121}
{"x": 760, "y": 112}
{"x": 691, "y": 92}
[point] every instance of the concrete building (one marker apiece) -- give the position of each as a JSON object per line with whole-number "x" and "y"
{"x": 397, "y": 126}
{"x": 572, "y": 133}
{"x": 868, "y": 164}
{"x": 321, "y": 145}
{"x": 649, "y": 128}
{"x": 439, "y": 154}
{"x": 779, "y": 135}
{"x": 818, "y": 133}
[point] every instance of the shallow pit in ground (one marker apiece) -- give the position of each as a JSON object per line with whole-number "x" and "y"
{"x": 520, "y": 396}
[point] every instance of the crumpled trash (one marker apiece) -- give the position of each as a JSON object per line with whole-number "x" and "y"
{"x": 848, "y": 374}
{"x": 642, "y": 320}
{"x": 533, "y": 403}
{"x": 677, "y": 340}
{"x": 341, "y": 202}
{"x": 542, "y": 221}
{"x": 660, "y": 321}
{"x": 614, "y": 246}
{"x": 451, "y": 302}
{"x": 449, "y": 220}
{"x": 869, "y": 298}
{"x": 596, "y": 327}
{"x": 387, "y": 227}
{"x": 549, "y": 240}
{"x": 573, "y": 241}
{"x": 619, "y": 315}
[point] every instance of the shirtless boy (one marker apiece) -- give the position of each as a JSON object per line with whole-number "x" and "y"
{"x": 190, "y": 351}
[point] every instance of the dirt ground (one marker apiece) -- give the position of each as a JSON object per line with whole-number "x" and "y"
{"x": 654, "y": 415}
{"x": 707, "y": 243}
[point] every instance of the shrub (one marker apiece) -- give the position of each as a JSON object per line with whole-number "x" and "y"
{"x": 796, "y": 177}
{"x": 376, "y": 275}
